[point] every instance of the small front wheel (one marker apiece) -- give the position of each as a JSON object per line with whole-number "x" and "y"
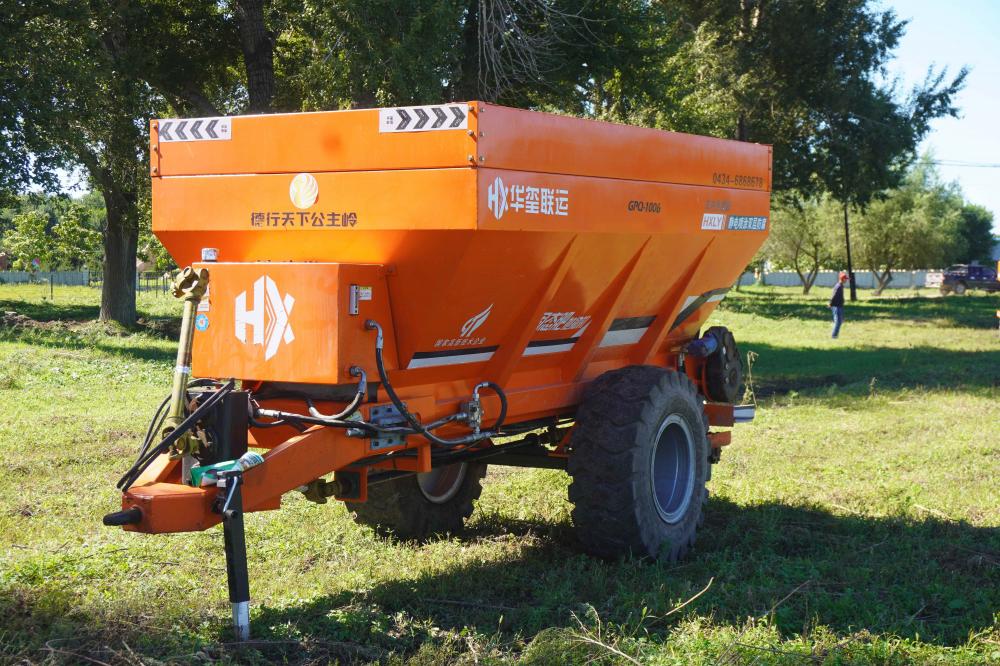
{"x": 639, "y": 458}
{"x": 422, "y": 505}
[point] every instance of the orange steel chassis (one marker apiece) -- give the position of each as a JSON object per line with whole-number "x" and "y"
{"x": 642, "y": 234}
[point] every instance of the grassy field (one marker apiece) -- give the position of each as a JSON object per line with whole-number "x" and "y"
{"x": 857, "y": 520}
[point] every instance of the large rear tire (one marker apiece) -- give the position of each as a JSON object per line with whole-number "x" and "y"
{"x": 960, "y": 288}
{"x": 639, "y": 458}
{"x": 422, "y": 505}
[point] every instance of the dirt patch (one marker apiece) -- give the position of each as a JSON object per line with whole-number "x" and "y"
{"x": 779, "y": 387}
{"x": 17, "y": 320}
{"x": 24, "y": 511}
{"x": 169, "y": 327}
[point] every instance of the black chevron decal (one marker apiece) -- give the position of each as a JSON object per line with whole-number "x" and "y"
{"x": 459, "y": 116}
{"x": 404, "y": 117}
{"x": 423, "y": 118}
{"x": 441, "y": 117}
{"x": 210, "y": 128}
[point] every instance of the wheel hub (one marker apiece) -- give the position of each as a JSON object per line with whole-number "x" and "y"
{"x": 441, "y": 484}
{"x": 672, "y": 469}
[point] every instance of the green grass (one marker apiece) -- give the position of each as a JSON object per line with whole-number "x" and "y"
{"x": 857, "y": 520}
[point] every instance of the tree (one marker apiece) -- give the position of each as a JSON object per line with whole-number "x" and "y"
{"x": 56, "y": 235}
{"x": 257, "y": 45}
{"x": 78, "y": 84}
{"x": 808, "y": 77}
{"x": 28, "y": 243}
{"x": 868, "y": 143}
{"x": 802, "y": 235}
{"x": 360, "y": 54}
{"x": 977, "y": 231}
{"x": 915, "y": 226}
{"x": 74, "y": 244}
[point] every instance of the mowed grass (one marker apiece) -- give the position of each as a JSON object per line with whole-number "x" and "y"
{"x": 857, "y": 520}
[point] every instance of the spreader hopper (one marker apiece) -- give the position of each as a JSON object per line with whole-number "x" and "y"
{"x": 402, "y": 296}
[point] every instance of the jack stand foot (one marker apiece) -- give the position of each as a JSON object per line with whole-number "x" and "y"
{"x": 241, "y": 620}
{"x": 236, "y": 556}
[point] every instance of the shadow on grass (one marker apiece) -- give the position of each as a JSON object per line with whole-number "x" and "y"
{"x": 936, "y": 579}
{"x": 802, "y": 566}
{"x": 778, "y": 369}
{"x": 75, "y": 327}
{"x": 970, "y": 311}
{"x": 48, "y": 311}
{"x": 67, "y": 339}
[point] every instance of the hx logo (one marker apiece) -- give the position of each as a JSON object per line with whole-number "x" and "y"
{"x": 475, "y": 321}
{"x": 527, "y": 199}
{"x": 496, "y": 197}
{"x": 269, "y": 316}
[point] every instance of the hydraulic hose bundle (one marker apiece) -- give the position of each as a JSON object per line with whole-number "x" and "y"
{"x": 344, "y": 418}
{"x": 347, "y": 418}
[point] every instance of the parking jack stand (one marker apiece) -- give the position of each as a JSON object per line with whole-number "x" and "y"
{"x": 236, "y": 553}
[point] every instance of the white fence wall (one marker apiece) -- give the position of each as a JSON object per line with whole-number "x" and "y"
{"x": 65, "y": 278}
{"x": 864, "y": 279}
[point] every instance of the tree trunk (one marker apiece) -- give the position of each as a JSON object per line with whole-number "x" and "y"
{"x": 121, "y": 236}
{"x": 810, "y": 280}
{"x": 467, "y": 87}
{"x": 742, "y": 131}
{"x": 850, "y": 265}
{"x": 258, "y": 53}
{"x": 883, "y": 280}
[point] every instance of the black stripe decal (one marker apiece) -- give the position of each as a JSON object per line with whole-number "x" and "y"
{"x": 697, "y": 303}
{"x": 628, "y": 323}
{"x": 553, "y": 343}
{"x": 456, "y": 352}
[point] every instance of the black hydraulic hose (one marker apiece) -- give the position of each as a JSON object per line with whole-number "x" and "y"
{"x": 129, "y": 477}
{"x": 160, "y": 416}
{"x": 291, "y": 418}
{"x": 371, "y": 324}
{"x": 154, "y": 426}
{"x": 502, "y": 416}
{"x": 352, "y": 407}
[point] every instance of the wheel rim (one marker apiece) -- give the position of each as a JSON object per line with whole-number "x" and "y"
{"x": 672, "y": 469}
{"x": 441, "y": 484}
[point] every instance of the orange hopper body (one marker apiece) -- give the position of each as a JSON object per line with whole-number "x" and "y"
{"x": 527, "y": 249}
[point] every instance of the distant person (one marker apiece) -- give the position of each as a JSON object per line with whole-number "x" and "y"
{"x": 837, "y": 303}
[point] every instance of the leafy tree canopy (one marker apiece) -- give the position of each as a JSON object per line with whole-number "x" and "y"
{"x": 917, "y": 225}
{"x": 977, "y": 232}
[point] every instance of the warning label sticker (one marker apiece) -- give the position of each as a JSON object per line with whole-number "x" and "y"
{"x": 712, "y": 221}
{"x": 423, "y": 118}
{"x": 196, "y": 129}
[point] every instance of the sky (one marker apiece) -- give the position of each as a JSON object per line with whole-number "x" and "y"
{"x": 956, "y": 34}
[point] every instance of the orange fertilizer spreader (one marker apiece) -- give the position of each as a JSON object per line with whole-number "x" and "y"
{"x": 399, "y": 297}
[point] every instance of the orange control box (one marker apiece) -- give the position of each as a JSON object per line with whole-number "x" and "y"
{"x": 313, "y": 314}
